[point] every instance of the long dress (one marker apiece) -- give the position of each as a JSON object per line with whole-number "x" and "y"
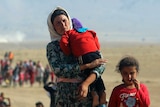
{"x": 67, "y": 67}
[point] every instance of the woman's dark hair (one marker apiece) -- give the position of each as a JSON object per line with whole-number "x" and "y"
{"x": 56, "y": 13}
{"x": 126, "y": 62}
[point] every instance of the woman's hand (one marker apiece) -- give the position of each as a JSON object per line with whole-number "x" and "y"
{"x": 93, "y": 64}
{"x": 83, "y": 88}
{"x": 82, "y": 91}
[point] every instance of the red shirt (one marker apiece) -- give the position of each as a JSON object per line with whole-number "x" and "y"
{"x": 79, "y": 43}
{"x": 124, "y": 97}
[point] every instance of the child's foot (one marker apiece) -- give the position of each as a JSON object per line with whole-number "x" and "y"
{"x": 95, "y": 101}
{"x": 102, "y": 96}
{"x": 102, "y": 105}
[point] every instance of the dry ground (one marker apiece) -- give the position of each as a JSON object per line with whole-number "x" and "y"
{"x": 148, "y": 56}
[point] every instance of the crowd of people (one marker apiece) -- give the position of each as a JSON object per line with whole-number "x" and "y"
{"x": 24, "y": 72}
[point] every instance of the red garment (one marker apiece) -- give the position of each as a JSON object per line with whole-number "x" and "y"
{"x": 124, "y": 97}
{"x": 21, "y": 76}
{"x": 31, "y": 74}
{"x": 52, "y": 76}
{"x": 79, "y": 43}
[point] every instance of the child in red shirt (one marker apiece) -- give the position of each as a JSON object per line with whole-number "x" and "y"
{"x": 84, "y": 45}
{"x": 131, "y": 93}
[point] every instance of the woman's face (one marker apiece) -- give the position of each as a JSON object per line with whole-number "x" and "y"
{"x": 61, "y": 24}
{"x": 129, "y": 74}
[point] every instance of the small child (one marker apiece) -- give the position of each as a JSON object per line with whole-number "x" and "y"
{"x": 84, "y": 45}
{"x": 131, "y": 93}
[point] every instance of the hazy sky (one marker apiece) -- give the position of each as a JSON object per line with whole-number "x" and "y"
{"x": 113, "y": 20}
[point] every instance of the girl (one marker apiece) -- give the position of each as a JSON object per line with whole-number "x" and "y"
{"x": 131, "y": 93}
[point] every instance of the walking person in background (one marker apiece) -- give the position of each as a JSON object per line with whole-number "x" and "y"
{"x": 39, "y": 73}
{"x": 70, "y": 85}
{"x": 15, "y": 76}
{"x": 50, "y": 87}
{"x": 31, "y": 69}
{"x": 4, "y": 101}
{"x": 131, "y": 93}
{"x": 46, "y": 74}
{"x": 11, "y": 56}
{"x": 6, "y": 55}
{"x": 87, "y": 51}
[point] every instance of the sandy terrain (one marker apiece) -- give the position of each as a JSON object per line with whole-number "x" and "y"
{"x": 148, "y": 56}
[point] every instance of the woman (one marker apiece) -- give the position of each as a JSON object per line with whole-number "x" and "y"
{"x": 71, "y": 92}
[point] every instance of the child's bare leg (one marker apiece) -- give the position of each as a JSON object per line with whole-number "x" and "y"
{"x": 95, "y": 97}
{"x": 102, "y": 97}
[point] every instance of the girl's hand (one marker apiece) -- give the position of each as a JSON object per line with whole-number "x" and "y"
{"x": 136, "y": 83}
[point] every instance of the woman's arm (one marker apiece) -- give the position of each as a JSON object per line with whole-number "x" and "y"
{"x": 61, "y": 65}
{"x": 66, "y": 65}
{"x": 83, "y": 88}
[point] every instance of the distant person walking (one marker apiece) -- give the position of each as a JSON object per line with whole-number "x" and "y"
{"x": 11, "y": 56}
{"x": 6, "y": 55}
{"x": 46, "y": 74}
{"x": 4, "y": 101}
{"x": 50, "y": 87}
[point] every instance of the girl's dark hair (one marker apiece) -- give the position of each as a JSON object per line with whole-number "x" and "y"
{"x": 126, "y": 62}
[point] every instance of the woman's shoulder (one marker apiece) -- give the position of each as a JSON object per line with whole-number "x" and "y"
{"x": 52, "y": 44}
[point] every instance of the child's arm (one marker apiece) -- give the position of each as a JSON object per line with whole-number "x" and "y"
{"x": 143, "y": 96}
{"x": 64, "y": 44}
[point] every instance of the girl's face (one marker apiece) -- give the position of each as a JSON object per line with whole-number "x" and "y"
{"x": 129, "y": 74}
{"x": 61, "y": 24}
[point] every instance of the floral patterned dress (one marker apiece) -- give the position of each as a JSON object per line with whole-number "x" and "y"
{"x": 67, "y": 67}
